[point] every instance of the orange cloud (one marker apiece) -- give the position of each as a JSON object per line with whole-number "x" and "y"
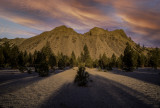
{"x": 138, "y": 16}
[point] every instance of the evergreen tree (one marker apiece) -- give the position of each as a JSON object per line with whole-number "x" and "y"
{"x": 2, "y": 59}
{"x": 104, "y": 61}
{"x": 21, "y": 59}
{"x": 120, "y": 62}
{"x": 86, "y": 52}
{"x": 86, "y": 57}
{"x": 128, "y": 58}
{"x": 30, "y": 59}
{"x": 141, "y": 60}
{"x": 61, "y": 63}
{"x": 14, "y": 57}
{"x": 43, "y": 69}
{"x": 6, "y": 53}
{"x": 95, "y": 63}
{"x": 73, "y": 60}
{"x": 82, "y": 77}
{"x": 113, "y": 60}
{"x": 155, "y": 58}
{"x": 52, "y": 61}
{"x": 25, "y": 57}
{"x": 47, "y": 51}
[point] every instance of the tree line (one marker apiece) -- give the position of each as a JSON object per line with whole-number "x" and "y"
{"x": 45, "y": 59}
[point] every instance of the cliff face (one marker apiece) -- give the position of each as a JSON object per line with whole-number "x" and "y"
{"x": 65, "y": 40}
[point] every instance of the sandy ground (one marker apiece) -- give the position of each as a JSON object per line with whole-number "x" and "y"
{"x": 114, "y": 89}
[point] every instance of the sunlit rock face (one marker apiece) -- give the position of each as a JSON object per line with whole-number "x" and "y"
{"x": 65, "y": 40}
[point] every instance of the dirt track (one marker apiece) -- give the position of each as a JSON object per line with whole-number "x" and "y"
{"x": 107, "y": 89}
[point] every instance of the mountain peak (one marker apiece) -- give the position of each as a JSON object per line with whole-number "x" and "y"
{"x": 62, "y": 29}
{"x": 96, "y": 31}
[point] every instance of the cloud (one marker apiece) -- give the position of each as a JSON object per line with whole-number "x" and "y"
{"x": 139, "y": 17}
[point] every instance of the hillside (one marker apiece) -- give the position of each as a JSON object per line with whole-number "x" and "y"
{"x": 16, "y": 41}
{"x": 65, "y": 40}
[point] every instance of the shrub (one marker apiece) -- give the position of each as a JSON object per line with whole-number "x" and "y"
{"x": 29, "y": 71}
{"x": 22, "y": 69}
{"x": 99, "y": 69}
{"x": 82, "y": 77}
{"x": 43, "y": 69}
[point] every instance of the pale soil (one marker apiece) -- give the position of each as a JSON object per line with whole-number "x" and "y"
{"x": 114, "y": 89}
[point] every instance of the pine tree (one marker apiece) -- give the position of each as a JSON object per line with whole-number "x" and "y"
{"x": 2, "y": 59}
{"x": 128, "y": 58}
{"x": 86, "y": 53}
{"x": 52, "y": 61}
{"x": 6, "y": 53}
{"x": 86, "y": 56}
{"x": 25, "y": 57}
{"x": 82, "y": 77}
{"x": 43, "y": 69}
{"x": 61, "y": 63}
{"x": 73, "y": 60}
{"x": 30, "y": 59}
{"x": 141, "y": 60}
{"x": 155, "y": 58}
{"x": 47, "y": 51}
{"x": 14, "y": 57}
{"x": 113, "y": 60}
{"x": 104, "y": 61}
{"x": 21, "y": 59}
{"x": 120, "y": 62}
{"x": 95, "y": 63}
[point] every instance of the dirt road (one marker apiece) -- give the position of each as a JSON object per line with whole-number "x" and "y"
{"x": 105, "y": 90}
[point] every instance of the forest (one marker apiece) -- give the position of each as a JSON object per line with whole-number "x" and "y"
{"x": 45, "y": 59}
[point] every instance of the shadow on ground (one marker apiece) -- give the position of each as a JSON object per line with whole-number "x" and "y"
{"x": 101, "y": 93}
{"x": 144, "y": 74}
{"x": 12, "y": 80}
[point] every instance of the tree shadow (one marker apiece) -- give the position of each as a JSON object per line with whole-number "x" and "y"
{"x": 101, "y": 93}
{"x": 144, "y": 74}
{"x": 13, "y": 82}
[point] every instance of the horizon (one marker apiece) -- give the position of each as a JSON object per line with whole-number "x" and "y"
{"x": 25, "y": 19}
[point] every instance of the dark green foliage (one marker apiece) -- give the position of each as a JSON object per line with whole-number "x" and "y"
{"x": 113, "y": 60}
{"x": 6, "y": 52}
{"x": 128, "y": 58}
{"x": 14, "y": 57}
{"x": 105, "y": 63}
{"x": 22, "y": 69}
{"x": 141, "y": 60}
{"x": 120, "y": 62}
{"x": 29, "y": 71}
{"x": 2, "y": 59}
{"x": 95, "y": 63}
{"x": 85, "y": 57}
{"x": 73, "y": 61}
{"x": 82, "y": 77}
{"x": 63, "y": 61}
{"x": 86, "y": 53}
{"x": 30, "y": 59}
{"x": 155, "y": 58}
{"x": 52, "y": 61}
{"x": 21, "y": 59}
{"x": 109, "y": 65}
{"x": 46, "y": 50}
{"x": 43, "y": 69}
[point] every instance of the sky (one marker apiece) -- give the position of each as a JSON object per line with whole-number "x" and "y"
{"x": 140, "y": 19}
